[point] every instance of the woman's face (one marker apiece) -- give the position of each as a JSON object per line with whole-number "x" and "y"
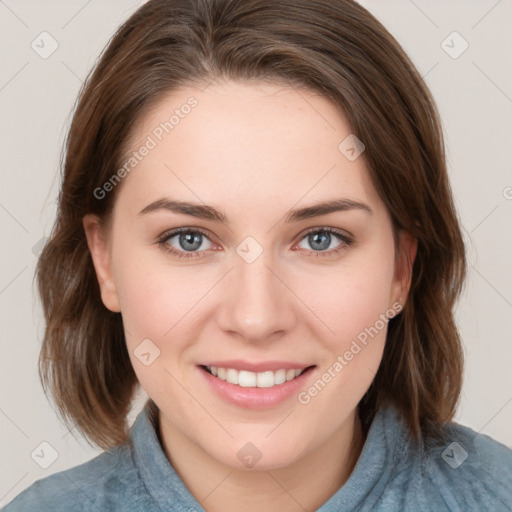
{"x": 261, "y": 281}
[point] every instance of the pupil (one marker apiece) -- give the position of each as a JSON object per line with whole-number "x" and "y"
{"x": 321, "y": 234}
{"x": 190, "y": 238}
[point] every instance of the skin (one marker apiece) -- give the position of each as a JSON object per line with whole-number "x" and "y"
{"x": 254, "y": 151}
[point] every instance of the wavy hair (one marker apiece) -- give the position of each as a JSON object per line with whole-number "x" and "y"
{"x": 333, "y": 47}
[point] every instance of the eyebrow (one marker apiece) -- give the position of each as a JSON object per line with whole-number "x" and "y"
{"x": 202, "y": 211}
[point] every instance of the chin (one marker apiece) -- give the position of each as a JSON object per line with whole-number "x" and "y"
{"x": 259, "y": 454}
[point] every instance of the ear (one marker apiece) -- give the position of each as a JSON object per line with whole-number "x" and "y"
{"x": 404, "y": 261}
{"x": 101, "y": 257}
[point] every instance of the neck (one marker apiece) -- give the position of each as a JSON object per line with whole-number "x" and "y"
{"x": 305, "y": 484}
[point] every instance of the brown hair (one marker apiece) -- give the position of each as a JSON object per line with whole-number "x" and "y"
{"x": 333, "y": 47}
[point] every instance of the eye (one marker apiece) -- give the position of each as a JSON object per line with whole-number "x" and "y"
{"x": 321, "y": 239}
{"x": 188, "y": 242}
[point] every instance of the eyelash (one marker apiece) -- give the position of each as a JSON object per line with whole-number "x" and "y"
{"x": 162, "y": 242}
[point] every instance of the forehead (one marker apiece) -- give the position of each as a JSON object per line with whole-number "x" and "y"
{"x": 233, "y": 143}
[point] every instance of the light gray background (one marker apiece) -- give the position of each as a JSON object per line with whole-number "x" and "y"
{"x": 37, "y": 95}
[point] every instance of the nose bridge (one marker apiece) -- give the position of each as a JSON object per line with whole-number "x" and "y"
{"x": 258, "y": 304}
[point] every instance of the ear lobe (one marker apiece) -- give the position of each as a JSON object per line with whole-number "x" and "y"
{"x": 405, "y": 257}
{"x": 101, "y": 257}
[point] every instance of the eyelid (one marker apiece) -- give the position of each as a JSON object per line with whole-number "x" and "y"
{"x": 185, "y": 229}
{"x": 171, "y": 233}
{"x": 190, "y": 255}
{"x": 337, "y": 231}
{"x": 345, "y": 238}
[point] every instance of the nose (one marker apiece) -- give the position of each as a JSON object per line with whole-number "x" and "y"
{"x": 257, "y": 302}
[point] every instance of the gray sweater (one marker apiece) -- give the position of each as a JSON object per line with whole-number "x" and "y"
{"x": 470, "y": 472}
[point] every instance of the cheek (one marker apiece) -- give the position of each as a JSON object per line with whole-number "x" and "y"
{"x": 355, "y": 305}
{"x": 155, "y": 298}
{"x": 356, "y": 310}
{"x": 154, "y": 303}
{"x": 352, "y": 297}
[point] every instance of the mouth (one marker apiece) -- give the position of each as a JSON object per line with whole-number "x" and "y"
{"x": 249, "y": 379}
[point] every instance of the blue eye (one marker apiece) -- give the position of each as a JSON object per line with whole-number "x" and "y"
{"x": 321, "y": 239}
{"x": 190, "y": 242}
{"x": 188, "y": 239}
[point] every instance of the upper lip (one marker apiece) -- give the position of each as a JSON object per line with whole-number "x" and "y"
{"x": 263, "y": 366}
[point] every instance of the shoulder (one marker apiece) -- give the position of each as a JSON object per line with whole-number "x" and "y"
{"x": 460, "y": 470}
{"x": 468, "y": 470}
{"x": 103, "y": 483}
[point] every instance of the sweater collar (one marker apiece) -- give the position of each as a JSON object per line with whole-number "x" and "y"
{"x": 161, "y": 480}
{"x": 386, "y": 437}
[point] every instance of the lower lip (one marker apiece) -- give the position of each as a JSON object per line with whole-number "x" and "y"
{"x": 256, "y": 398}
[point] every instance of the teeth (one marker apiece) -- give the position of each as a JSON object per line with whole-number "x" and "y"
{"x": 232, "y": 376}
{"x": 247, "y": 379}
{"x": 280, "y": 376}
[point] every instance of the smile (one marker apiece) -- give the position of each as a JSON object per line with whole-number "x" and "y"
{"x": 247, "y": 379}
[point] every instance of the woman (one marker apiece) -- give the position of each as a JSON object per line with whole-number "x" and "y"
{"x": 256, "y": 226}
